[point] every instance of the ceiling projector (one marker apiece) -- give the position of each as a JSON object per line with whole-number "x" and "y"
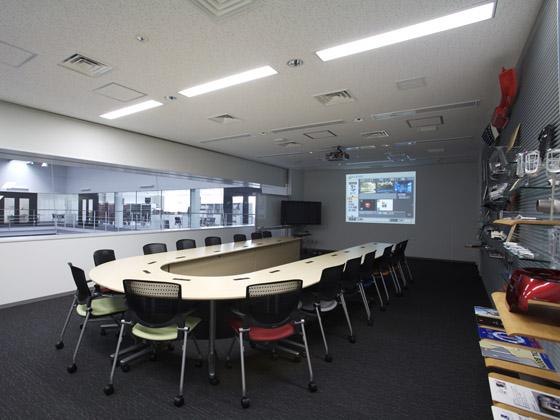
{"x": 338, "y": 155}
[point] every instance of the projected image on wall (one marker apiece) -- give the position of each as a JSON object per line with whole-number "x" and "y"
{"x": 388, "y": 197}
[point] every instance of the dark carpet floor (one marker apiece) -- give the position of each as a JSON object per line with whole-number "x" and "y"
{"x": 420, "y": 360}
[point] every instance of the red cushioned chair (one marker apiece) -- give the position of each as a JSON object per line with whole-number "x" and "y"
{"x": 269, "y": 316}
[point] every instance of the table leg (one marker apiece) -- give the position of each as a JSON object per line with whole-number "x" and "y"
{"x": 212, "y": 345}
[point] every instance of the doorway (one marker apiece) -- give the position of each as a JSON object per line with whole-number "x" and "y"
{"x": 87, "y": 209}
{"x": 18, "y": 208}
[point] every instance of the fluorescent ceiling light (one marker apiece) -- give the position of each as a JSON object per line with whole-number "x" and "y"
{"x": 429, "y": 27}
{"x": 233, "y": 80}
{"x": 142, "y": 106}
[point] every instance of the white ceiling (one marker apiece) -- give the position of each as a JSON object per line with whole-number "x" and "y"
{"x": 185, "y": 47}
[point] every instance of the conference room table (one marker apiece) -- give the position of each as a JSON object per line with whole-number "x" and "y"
{"x": 223, "y": 272}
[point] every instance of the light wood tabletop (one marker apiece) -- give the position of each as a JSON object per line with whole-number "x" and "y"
{"x": 166, "y": 267}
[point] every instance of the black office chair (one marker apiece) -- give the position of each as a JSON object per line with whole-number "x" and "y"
{"x": 367, "y": 276}
{"x": 266, "y": 234}
{"x": 89, "y": 305}
{"x": 239, "y": 237}
{"x": 185, "y": 244}
{"x": 384, "y": 266}
{"x": 102, "y": 256}
{"x": 270, "y": 316}
{"x": 351, "y": 284}
{"x": 212, "y": 240}
{"x": 154, "y": 248}
{"x": 402, "y": 262}
{"x": 156, "y": 309}
{"x": 256, "y": 235}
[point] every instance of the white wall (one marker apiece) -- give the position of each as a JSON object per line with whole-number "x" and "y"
{"x": 447, "y": 210}
{"x": 33, "y": 177}
{"x": 37, "y": 132}
{"x": 37, "y": 267}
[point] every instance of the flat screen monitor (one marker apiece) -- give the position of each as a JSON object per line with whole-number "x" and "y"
{"x": 388, "y": 197}
{"x": 300, "y": 213}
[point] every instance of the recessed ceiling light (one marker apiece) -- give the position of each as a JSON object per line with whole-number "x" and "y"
{"x": 358, "y": 119}
{"x": 228, "y": 81}
{"x": 141, "y": 38}
{"x": 142, "y": 106}
{"x": 170, "y": 98}
{"x": 429, "y": 27}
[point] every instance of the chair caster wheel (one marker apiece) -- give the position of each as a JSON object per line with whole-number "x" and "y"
{"x": 103, "y": 332}
{"x": 245, "y": 402}
{"x": 352, "y": 339}
{"x": 383, "y": 309}
{"x": 214, "y": 380}
{"x": 328, "y": 358}
{"x": 153, "y": 357}
{"x": 108, "y": 390}
{"x": 400, "y": 294}
{"x": 178, "y": 401}
{"x": 125, "y": 367}
{"x": 228, "y": 364}
{"x": 370, "y": 322}
{"x": 198, "y": 363}
{"x": 297, "y": 359}
{"x": 81, "y": 326}
{"x": 59, "y": 345}
{"x": 312, "y": 386}
{"x": 72, "y": 368}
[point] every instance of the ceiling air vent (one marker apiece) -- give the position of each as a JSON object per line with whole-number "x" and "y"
{"x": 289, "y": 144}
{"x": 304, "y": 126}
{"x": 224, "y": 119}
{"x": 378, "y": 134}
{"x": 85, "y": 65}
{"x": 218, "y": 139}
{"x": 222, "y": 8}
{"x": 335, "y": 98}
{"x": 417, "y": 111}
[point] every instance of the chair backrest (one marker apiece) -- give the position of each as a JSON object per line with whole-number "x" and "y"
{"x": 155, "y": 304}
{"x": 331, "y": 282}
{"x": 102, "y": 256}
{"x": 387, "y": 252}
{"x": 367, "y": 265}
{"x": 271, "y": 304}
{"x": 256, "y": 235}
{"x": 212, "y": 240}
{"x": 185, "y": 244}
{"x": 266, "y": 234}
{"x": 351, "y": 272}
{"x": 82, "y": 289}
{"x": 239, "y": 237}
{"x": 154, "y": 248}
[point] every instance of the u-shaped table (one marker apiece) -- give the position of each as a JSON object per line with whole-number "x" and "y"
{"x": 223, "y": 272}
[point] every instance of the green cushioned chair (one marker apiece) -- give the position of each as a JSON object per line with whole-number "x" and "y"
{"x": 89, "y": 306}
{"x": 156, "y": 316}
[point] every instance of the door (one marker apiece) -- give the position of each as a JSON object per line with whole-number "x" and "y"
{"x": 87, "y": 210}
{"x": 18, "y": 208}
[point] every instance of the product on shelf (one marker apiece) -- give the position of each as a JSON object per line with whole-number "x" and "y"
{"x": 533, "y": 286}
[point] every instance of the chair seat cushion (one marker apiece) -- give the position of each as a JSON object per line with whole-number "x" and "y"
{"x": 104, "y": 306}
{"x": 168, "y": 333}
{"x": 264, "y": 334}
{"x": 325, "y": 306}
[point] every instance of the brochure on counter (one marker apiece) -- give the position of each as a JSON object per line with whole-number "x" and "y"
{"x": 501, "y": 335}
{"x": 528, "y": 399}
{"x": 500, "y": 413}
{"x": 488, "y": 316}
{"x": 527, "y": 357}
